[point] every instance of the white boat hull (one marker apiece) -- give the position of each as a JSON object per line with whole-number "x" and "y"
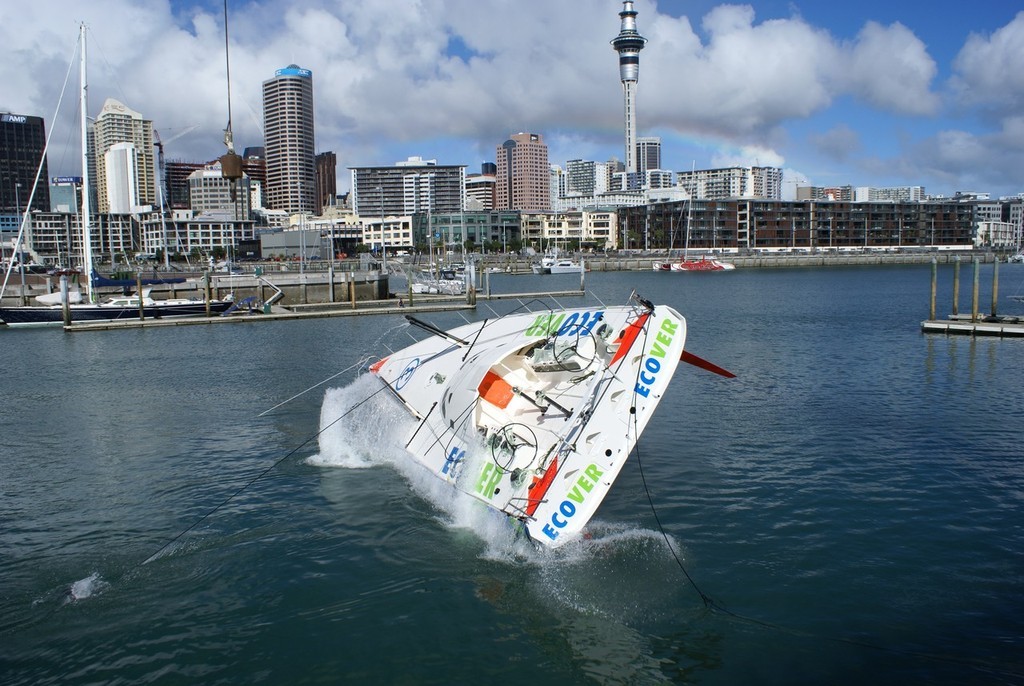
{"x": 535, "y": 414}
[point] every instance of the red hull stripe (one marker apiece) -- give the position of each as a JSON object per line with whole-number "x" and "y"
{"x": 629, "y": 337}
{"x": 540, "y": 488}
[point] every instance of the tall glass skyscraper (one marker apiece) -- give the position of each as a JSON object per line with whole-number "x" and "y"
{"x": 22, "y": 141}
{"x": 289, "y": 141}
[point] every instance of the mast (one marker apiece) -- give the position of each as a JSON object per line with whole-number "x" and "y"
{"x": 84, "y": 109}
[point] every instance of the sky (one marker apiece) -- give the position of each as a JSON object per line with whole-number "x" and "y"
{"x": 871, "y": 93}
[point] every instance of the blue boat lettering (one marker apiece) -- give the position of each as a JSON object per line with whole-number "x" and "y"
{"x": 652, "y": 365}
{"x": 453, "y": 461}
{"x": 562, "y": 324}
{"x": 575, "y": 497}
{"x": 580, "y": 323}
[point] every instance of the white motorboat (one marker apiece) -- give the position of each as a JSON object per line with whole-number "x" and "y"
{"x": 552, "y": 263}
{"x": 535, "y": 414}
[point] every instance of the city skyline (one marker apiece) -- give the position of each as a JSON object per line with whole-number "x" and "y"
{"x": 880, "y": 94}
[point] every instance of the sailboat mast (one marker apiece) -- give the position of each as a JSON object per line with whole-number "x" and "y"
{"x": 83, "y": 110}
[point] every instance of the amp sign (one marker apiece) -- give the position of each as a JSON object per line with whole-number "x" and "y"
{"x": 13, "y": 118}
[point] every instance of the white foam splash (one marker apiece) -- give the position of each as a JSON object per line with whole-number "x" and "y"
{"x": 362, "y": 428}
{"x": 87, "y": 587}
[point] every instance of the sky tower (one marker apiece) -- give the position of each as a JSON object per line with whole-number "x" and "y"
{"x": 628, "y": 44}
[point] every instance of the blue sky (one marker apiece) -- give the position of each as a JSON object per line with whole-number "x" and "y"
{"x": 869, "y": 93}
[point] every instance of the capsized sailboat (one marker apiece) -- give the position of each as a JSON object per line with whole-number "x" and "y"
{"x": 535, "y": 414}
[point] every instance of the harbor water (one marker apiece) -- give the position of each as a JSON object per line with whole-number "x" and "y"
{"x": 176, "y": 510}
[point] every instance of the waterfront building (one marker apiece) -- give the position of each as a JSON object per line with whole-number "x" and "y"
{"x": 134, "y": 183}
{"x": 452, "y": 231}
{"x": 414, "y": 185}
{"x": 214, "y": 233}
{"x": 762, "y": 225}
{"x": 523, "y": 180}
{"x": 594, "y": 229}
{"x": 628, "y": 44}
{"x": 289, "y": 140}
{"x": 56, "y": 237}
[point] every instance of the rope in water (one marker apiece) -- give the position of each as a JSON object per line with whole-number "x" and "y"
{"x": 262, "y": 474}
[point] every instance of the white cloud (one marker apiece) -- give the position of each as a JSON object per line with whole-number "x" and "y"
{"x": 990, "y": 70}
{"x": 416, "y": 75}
{"x": 889, "y": 67}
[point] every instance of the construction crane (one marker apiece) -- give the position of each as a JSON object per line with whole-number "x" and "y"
{"x": 159, "y": 144}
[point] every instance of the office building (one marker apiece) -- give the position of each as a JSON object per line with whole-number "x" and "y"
{"x": 22, "y": 142}
{"x": 523, "y": 178}
{"x": 326, "y": 180}
{"x": 210, "y": 193}
{"x": 648, "y": 153}
{"x": 289, "y": 141}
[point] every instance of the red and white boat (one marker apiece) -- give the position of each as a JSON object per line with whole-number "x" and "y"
{"x": 535, "y": 414}
{"x": 704, "y": 264}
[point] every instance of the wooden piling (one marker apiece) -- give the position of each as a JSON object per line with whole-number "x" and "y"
{"x": 956, "y": 285}
{"x": 974, "y": 290}
{"x": 935, "y": 279}
{"x": 995, "y": 286}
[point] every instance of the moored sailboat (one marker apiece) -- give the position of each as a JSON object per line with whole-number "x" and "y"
{"x": 50, "y": 313}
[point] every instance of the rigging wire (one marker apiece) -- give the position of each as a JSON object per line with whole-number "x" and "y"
{"x": 262, "y": 474}
{"x": 360, "y": 363}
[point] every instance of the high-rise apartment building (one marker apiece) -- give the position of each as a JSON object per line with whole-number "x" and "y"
{"x": 586, "y": 177}
{"x": 289, "y": 140}
{"x": 523, "y": 179}
{"x": 116, "y": 124}
{"x": 22, "y": 141}
{"x": 416, "y": 185}
{"x": 732, "y": 182}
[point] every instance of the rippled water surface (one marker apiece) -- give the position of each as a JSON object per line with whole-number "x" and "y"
{"x": 848, "y": 509}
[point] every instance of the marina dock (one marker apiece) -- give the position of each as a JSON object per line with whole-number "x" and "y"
{"x": 421, "y": 304}
{"x": 976, "y": 323}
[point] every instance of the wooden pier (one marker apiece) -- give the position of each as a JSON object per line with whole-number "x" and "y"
{"x": 975, "y": 323}
{"x": 421, "y": 303}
